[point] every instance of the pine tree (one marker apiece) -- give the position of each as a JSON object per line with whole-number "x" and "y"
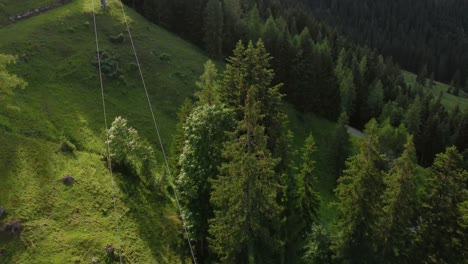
{"x": 208, "y": 85}
{"x": 254, "y": 24}
{"x": 233, "y": 25}
{"x": 214, "y": 28}
{"x": 422, "y": 75}
{"x": 303, "y": 202}
{"x": 247, "y": 214}
{"x": 444, "y": 237}
{"x": 359, "y": 202}
{"x": 311, "y": 198}
{"x": 345, "y": 80}
{"x": 340, "y": 145}
{"x": 250, "y": 66}
{"x": 400, "y": 201}
{"x": 375, "y": 101}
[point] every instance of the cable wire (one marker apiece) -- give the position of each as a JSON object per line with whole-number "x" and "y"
{"x": 109, "y": 160}
{"x": 157, "y": 132}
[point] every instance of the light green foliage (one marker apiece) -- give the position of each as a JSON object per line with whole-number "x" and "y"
{"x": 400, "y": 205}
{"x": 205, "y": 134}
{"x": 448, "y": 100}
{"x": 247, "y": 214}
{"x": 317, "y": 250}
{"x": 73, "y": 224}
{"x": 359, "y": 202}
{"x": 208, "y": 85}
{"x": 8, "y": 82}
{"x": 125, "y": 144}
{"x": 392, "y": 140}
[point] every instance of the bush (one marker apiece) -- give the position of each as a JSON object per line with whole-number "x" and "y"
{"x": 129, "y": 152}
{"x": 66, "y": 146}
{"x": 165, "y": 57}
{"x": 117, "y": 39}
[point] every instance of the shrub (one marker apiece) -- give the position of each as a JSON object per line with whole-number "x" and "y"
{"x": 165, "y": 57}
{"x": 117, "y": 39}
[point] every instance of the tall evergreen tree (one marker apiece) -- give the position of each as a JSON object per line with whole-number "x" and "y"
{"x": 359, "y": 202}
{"x": 250, "y": 66}
{"x": 303, "y": 202}
{"x": 254, "y": 24}
{"x": 340, "y": 145}
{"x": 247, "y": 219}
{"x": 345, "y": 81}
{"x": 400, "y": 200}
{"x": 444, "y": 237}
{"x": 233, "y": 24}
{"x": 213, "y": 26}
{"x": 208, "y": 84}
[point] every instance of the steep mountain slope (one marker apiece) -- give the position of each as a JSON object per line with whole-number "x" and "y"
{"x": 56, "y": 53}
{"x": 56, "y": 56}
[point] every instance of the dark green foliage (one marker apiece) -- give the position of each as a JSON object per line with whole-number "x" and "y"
{"x": 247, "y": 215}
{"x": 213, "y": 27}
{"x": 303, "y": 202}
{"x": 109, "y": 65}
{"x": 340, "y": 144}
{"x": 422, "y": 76}
{"x": 444, "y": 237}
{"x": 117, "y": 39}
{"x": 414, "y": 34}
{"x": 250, "y": 66}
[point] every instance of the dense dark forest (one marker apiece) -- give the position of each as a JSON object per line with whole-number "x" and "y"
{"x": 418, "y": 34}
{"x": 244, "y": 197}
{"x": 321, "y": 71}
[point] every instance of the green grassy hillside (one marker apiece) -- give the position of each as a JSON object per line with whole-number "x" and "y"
{"x": 449, "y": 100}
{"x": 72, "y": 224}
{"x": 56, "y": 56}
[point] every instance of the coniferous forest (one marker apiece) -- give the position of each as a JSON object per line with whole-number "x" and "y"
{"x": 241, "y": 175}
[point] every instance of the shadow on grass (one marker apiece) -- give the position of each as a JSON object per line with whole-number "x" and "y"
{"x": 152, "y": 211}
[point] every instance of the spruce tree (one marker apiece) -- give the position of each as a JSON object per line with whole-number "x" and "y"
{"x": 208, "y": 85}
{"x": 213, "y": 26}
{"x": 340, "y": 145}
{"x": 400, "y": 201}
{"x": 443, "y": 236}
{"x": 303, "y": 202}
{"x": 250, "y": 66}
{"x": 233, "y": 25}
{"x": 247, "y": 219}
{"x": 359, "y": 202}
{"x": 345, "y": 81}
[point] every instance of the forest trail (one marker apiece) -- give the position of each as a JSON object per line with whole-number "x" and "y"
{"x": 356, "y": 132}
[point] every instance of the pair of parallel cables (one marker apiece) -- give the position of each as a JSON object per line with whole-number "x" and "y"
{"x": 109, "y": 161}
